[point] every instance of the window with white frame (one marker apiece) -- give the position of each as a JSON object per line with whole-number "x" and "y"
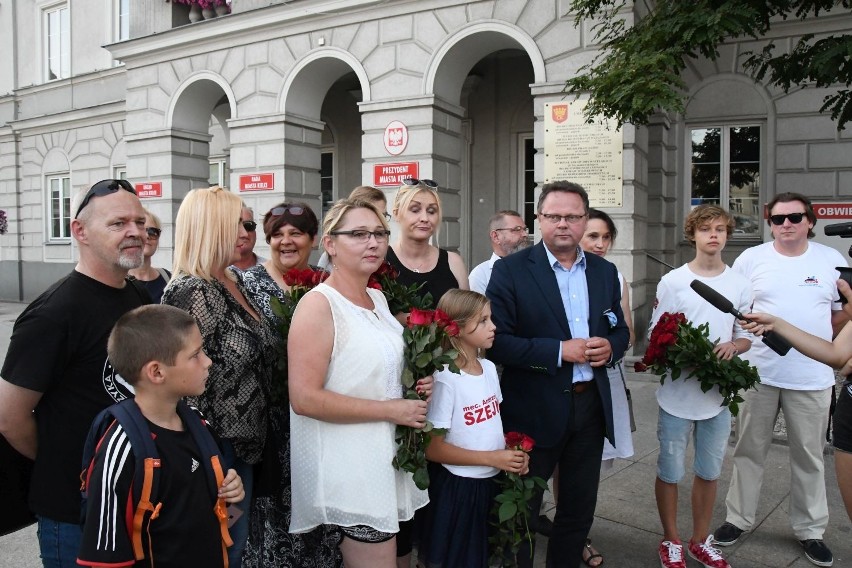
{"x": 59, "y": 199}
{"x": 119, "y": 172}
{"x": 326, "y": 180}
{"x": 725, "y": 170}
{"x": 57, "y": 42}
{"x": 122, "y": 20}
{"x": 527, "y": 180}
{"x": 218, "y": 172}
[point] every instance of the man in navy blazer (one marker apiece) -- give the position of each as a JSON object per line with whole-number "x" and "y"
{"x": 559, "y": 323}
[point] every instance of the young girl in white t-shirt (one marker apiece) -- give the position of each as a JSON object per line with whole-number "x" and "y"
{"x": 473, "y": 451}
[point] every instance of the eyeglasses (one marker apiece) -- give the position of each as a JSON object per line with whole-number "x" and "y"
{"x": 292, "y": 209}
{"x": 517, "y": 230}
{"x": 104, "y": 187}
{"x": 555, "y": 219}
{"x": 249, "y": 226}
{"x": 153, "y": 232}
{"x": 363, "y": 236}
{"x": 387, "y": 216}
{"x": 794, "y": 218}
{"x": 430, "y": 183}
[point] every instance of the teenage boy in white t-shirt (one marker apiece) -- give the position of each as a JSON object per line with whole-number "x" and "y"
{"x": 683, "y": 405}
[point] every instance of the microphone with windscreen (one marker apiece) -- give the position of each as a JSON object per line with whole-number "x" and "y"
{"x": 720, "y": 302}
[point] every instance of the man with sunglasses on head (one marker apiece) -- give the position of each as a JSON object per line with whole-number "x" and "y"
{"x": 56, "y": 377}
{"x": 246, "y": 244}
{"x": 508, "y": 234}
{"x": 794, "y": 279}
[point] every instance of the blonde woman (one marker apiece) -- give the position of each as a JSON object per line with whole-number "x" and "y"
{"x": 345, "y": 365}
{"x": 417, "y": 210}
{"x": 241, "y": 344}
{"x": 154, "y": 279}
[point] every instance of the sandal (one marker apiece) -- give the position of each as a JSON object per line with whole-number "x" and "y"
{"x": 592, "y": 555}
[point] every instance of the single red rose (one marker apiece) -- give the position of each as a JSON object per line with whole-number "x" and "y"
{"x": 291, "y": 277}
{"x": 374, "y": 285}
{"x": 640, "y": 367}
{"x": 514, "y": 439}
{"x": 442, "y": 319}
{"x": 420, "y": 317}
{"x": 452, "y": 329}
{"x": 527, "y": 444}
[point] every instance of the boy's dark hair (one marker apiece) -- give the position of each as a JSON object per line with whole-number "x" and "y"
{"x": 567, "y": 187}
{"x": 704, "y": 214}
{"x": 787, "y": 198}
{"x": 155, "y": 332}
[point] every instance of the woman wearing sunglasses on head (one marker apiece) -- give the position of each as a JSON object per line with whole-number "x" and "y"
{"x": 291, "y": 230}
{"x": 154, "y": 279}
{"x": 241, "y": 343}
{"x": 417, "y": 210}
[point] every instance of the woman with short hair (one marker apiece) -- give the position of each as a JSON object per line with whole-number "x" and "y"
{"x": 154, "y": 279}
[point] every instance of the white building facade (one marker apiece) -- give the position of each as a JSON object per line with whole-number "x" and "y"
{"x": 301, "y": 92}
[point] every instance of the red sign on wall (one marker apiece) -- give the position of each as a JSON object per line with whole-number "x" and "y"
{"x": 257, "y": 182}
{"x": 833, "y": 210}
{"x": 149, "y": 189}
{"x": 393, "y": 174}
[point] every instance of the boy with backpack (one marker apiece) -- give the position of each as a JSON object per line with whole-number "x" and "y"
{"x": 153, "y": 484}
{"x": 685, "y": 410}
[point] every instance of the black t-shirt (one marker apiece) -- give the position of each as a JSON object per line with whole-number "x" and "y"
{"x": 58, "y": 348}
{"x": 436, "y": 282}
{"x": 186, "y": 532}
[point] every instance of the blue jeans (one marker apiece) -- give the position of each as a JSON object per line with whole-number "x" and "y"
{"x": 59, "y": 543}
{"x": 710, "y": 437}
{"x": 240, "y": 529}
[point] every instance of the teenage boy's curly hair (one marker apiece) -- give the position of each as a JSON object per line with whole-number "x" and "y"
{"x": 704, "y": 214}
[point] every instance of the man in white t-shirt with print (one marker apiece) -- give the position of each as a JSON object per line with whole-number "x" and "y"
{"x": 794, "y": 279}
{"x": 685, "y": 410}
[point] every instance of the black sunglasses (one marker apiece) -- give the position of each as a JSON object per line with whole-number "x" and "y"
{"x": 794, "y": 218}
{"x": 249, "y": 226}
{"x": 153, "y": 232}
{"x": 291, "y": 209}
{"x": 104, "y": 187}
{"x": 430, "y": 183}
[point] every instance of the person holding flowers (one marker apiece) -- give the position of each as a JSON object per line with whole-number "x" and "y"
{"x": 685, "y": 409}
{"x": 345, "y": 362}
{"x": 473, "y": 450}
{"x": 291, "y": 230}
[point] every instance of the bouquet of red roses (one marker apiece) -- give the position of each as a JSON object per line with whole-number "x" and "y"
{"x": 300, "y": 283}
{"x": 511, "y": 507}
{"x": 424, "y": 354}
{"x": 401, "y": 298}
{"x": 677, "y": 346}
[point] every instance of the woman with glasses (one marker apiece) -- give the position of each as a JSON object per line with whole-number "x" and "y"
{"x": 291, "y": 230}
{"x": 417, "y": 210}
{"x": 365, "y": 193}
{"x": 345, "y": 360}
{"x": 154, "y": 279}
{"x": 241, "y": 344}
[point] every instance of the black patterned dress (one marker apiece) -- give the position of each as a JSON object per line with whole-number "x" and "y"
{"x": 269, "y": 542}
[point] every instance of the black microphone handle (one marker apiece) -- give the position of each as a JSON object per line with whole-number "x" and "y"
{"x": 776, "y": 342}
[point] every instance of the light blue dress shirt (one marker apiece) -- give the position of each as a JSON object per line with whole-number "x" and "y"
{"x": 575, "y": 298}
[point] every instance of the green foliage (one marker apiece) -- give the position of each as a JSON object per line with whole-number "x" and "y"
{"x": 512, "y": 512}
{"x": 692, "y": 354}
{"x": 638, "y": 72}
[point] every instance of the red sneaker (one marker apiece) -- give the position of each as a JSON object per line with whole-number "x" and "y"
{"x": 671, "y": 554}
{"x": 707, "y": 554}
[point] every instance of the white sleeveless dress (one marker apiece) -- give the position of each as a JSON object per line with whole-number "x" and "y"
{"x": 620, "y": 413}
{"x": 342, "y": 473}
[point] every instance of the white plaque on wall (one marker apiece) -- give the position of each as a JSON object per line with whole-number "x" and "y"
{"x": 586, "y": 154}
